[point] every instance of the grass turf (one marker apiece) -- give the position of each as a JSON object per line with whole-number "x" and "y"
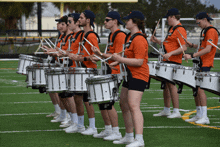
{"x": 24, "y": 109}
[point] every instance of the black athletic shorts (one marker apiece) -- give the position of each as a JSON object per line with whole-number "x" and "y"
{"x": 66, "y": 94}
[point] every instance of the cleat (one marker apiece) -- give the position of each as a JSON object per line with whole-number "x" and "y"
{"x": 103, "y": 134}
{"x": 193, "y": 119}
{"x": 64, "y": 125}
{"x": 162, "y": 113}
{"x": 59, "y": 119}
{"x": 89, "y": 131}
{"x": 203, "y": 120}
{"x": 54, "y": 114}
{"x": 175, "y": 115}
{"x": 124, "y": 140}
{"x": 72, "y": 128}
{"x": 136, "y": 143}
{"x": 113, "y": 136}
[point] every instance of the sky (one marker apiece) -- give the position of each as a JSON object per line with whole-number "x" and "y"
{"x": 215, "y": 2}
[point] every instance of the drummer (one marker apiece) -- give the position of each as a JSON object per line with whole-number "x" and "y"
{"x": 138, "y": 76}
{"x": 63, "y": 29}
{"x": 54, "y": 96}
{"x": 173, "y": 54}
{"x": 109, "y": 114}
{"x": 86, "y": 20}
{"x": 206, "y": 54}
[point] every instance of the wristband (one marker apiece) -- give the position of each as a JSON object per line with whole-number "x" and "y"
{"x": 85, "y": 59}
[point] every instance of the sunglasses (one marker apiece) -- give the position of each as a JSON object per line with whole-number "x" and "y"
{"x": 107, "y": 20}
{"x": 197, "y": 23}
{"x": 69, "y": 21}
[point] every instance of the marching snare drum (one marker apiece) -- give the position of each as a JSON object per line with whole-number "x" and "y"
{"x": 209, "y": 81}
{"x": 39, "y": 78}
{"x": 102, "y": 88}
{"x": 29, "y": 80}
{"x": 27, "y": 60}
{"x": 165, "y": 71}
{"x": 185, "y": 75}
{"x": 152, "y": 69}
{"x": 57, "y": 80}
{"x": 77, "y": 77}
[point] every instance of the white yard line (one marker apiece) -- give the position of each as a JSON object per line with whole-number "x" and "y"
{"x": 149, "y": 127}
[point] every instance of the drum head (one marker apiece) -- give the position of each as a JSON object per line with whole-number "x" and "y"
{"x": 101, "y": 79}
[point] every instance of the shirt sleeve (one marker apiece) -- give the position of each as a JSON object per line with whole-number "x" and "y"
{"x": 93, "y": 40}
{"x": 211, "y": 36}
{"x": 140, "y": 47}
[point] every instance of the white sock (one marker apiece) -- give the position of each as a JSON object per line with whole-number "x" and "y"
{"x": 74, "y": 117}
{"x": 130, "y": 135}
{"x": 204, "y": 111}
{"x": 176, "y": 110}
{"x": 63, "y": 113}
{"x": 166, "y": 109}
{"x": 92, "y": 122}
{"x": 108, "y": 127}
{"x": 81, "y": 120}
{"x": 139, "y": 137}
{"x": 199, "y": 111}
{"x": 57, "y": 108}
{"x": 115, "y": 129}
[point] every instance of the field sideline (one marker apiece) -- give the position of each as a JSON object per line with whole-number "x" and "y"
{"x": 23, "y": 121}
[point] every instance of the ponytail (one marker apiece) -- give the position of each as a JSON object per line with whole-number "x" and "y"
{"x": 140, "y": 24}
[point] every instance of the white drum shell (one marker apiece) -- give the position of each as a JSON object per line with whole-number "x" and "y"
{"x": 209, "y": 81}
{"x": 103, "y": 90}
{"x": 29, "y": 81}
{"x": 77, "y": 77}
{"x": 152, "y": 67}
{"x": 165, "y": 71}
{"x": 26, "y": 60}
{"x": 57, "y": 80}
{"x": 186, "y": 75}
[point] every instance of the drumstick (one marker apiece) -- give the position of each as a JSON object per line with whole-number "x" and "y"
{"x": 92, "y": 45}
{"x": 213, "y": 44}
{"x": 156, "y": 50}
{"x": 181, "y": 35}
{"x": 41, "y": 42}
{"x": 181, "y": 48}
{"x": 111, "y": 56}
{"x": 48, "y": 43}
{"x": 51, "y": 42}
{"x": 156, "y": 27}
{"x": 104, "y": 61}
{"x": 85, "y": 49}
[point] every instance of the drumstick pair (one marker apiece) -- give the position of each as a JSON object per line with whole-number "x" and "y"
{"x": 181, "y": 47}
{"x": 92, "y": 45}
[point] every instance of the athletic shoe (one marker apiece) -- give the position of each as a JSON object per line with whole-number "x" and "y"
{"x": 136, "y": 143}
{"x": 175, "y": 115}
{"x": 65, "y": 122}
{"x": 113, "y": 136}
{"x": 124, "y": 140}
{"x": 203, "y": 120}
{"x": 72, "y": 129}
{"x": 162, "y": 113}
{"x": 90, "y": 131}
{"x": 64, "y": 125}
{"x": 103, "y": 134}
{"x": 81, "y": 129}
{"x": 59, "y": 119}
{"x": 54, "y": 114}
{"x": 193, "y": 119}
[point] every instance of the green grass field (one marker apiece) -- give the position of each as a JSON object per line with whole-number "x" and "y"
{"x": 23, "y": 121}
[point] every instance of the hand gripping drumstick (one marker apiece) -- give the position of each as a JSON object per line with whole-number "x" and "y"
{"x": 92, "y": 45}
{"x": 181, "y": 48}
{"x": 104, "y": 61}
{"x": 156, "y": 27}
{"x": 213, "y": 44}
{"x": 111, "y": 56}
{"x": 156, "y": 50}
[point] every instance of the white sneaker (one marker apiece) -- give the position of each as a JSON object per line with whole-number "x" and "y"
{"x": 90, "y": 131}
{"x": 193, "y": 119}
{"x": 203, "y": 120}
{"x": 67, "y": 124}
{"x": 103, "y": 134}
{"x": 81, "y": 129}
{"x": 175, "y": 115}
{"x": 54, "y": 114}
{"x": 162, "y": 113}
{"x": 59, "y": 119}
{"x": 136, "y": 143}
{"x": 72, "y": 129}
{"x": 124, "y": 140}
{"x": 113, "y": 136}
